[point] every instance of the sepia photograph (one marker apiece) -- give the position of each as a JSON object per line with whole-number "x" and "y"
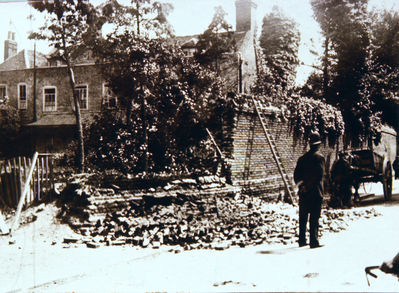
{"x": 199, "y": 146}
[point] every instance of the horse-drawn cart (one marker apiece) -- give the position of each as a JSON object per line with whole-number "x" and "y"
{"x": 374, "y": 164}
{"x": 369, "y": 166}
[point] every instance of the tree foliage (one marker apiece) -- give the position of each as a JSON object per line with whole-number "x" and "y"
{"x": 180, "y": 98}
{"x": 278, "y": 58}
{"x": 216, "y": 40}
{"x": 67, "y": 25}
{"x": 313, "y": 87}
{"x": 380, "y": 84}
{"x": 9, "y": 127}
{"x": 345, "y": 26}
{"x": 308, "y": 115}
{"x": 143, "y": 17}
{"x": 166, "y": 99}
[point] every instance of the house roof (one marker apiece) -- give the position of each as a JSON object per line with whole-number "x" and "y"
{"x": 23, "y": 60}
{"x": 191, "y": 40}
{"x": 190, "y": 43}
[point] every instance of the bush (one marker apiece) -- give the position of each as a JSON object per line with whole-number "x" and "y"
{"x": 9, "y": 128}
{"x": 112, "y": 144}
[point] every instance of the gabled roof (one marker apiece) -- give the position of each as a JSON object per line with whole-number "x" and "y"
{"x": 23, "y": 60}
{"x": 228, "y": 65}
{"x": 190, "y": 43}
{"x": 191, "y": 40}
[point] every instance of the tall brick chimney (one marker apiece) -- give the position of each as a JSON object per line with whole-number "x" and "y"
{"x": 245, "y": 15}
{"x": 10, "y": 45}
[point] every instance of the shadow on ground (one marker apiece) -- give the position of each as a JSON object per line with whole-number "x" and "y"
{"x": 378, "y": 200}
{"x": 284, "y": 250}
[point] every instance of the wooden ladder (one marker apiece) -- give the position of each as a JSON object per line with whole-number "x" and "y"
{"x": 287, "y": 182}
{"x": 248, "y": 154}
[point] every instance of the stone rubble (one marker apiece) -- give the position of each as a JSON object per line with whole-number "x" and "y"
{"x": 194, "y": 221}
{"x": 181, "y": 214}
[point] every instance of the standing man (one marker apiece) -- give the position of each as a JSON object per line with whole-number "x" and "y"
{"x": 341, "y": 176}
{"x": 308, "y": 175}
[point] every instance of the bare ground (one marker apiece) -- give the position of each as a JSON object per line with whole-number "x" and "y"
{"x": 37, "y": 260}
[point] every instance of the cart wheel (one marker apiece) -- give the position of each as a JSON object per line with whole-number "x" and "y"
{"x": 387, "y": 181}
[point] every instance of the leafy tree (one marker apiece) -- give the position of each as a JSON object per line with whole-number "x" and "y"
{"x": 216, "y": 40}
{"x": 180, "y": 99}
{"x": 381, "y": 83}
{"x": 279, "y": 42}
{"x": 345, "y": 26}
{"x": 126, "y": 52}
{"x": 360, "y": 64}
{"x": 313, "y": 87}
{"x": 143, "y": 17}
{"x": 385, "y": 37}
{"x": 68, "y": 24}
{"x": 167, "y": 94}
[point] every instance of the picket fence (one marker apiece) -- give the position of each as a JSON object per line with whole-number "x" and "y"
{"x": 14, "y": 174}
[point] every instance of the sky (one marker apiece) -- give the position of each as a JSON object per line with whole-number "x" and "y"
{"x": 188, "y": 17}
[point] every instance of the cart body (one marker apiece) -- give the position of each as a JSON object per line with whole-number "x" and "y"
{"x": 374, "y": 164}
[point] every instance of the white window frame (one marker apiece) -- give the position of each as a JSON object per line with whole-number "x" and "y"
{"x": 22, "y": 105}
{"x": 79, "y": 87}
{"x": 107, "y": 97}
{"x": 5, "y": 91}
{"x": 53, "y": 108}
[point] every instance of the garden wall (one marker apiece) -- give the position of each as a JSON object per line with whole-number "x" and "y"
{"x": 252, "y": 164}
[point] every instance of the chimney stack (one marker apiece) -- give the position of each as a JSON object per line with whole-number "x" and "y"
{"x": 10, "y": 45}
{"x": 245, "y": 15}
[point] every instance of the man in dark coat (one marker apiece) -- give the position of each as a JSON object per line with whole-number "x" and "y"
{"x": 308, "y": 175}
{"x": 341, "y": 175}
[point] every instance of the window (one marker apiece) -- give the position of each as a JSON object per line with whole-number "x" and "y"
{"x": 109, "y": 99}
{"x": 3, "y": 92}
{"x": 50, "y": 99}
{"x": 22, "y": 101}
{"x": 81, "y": 90}
{"x": 189, "y": 52}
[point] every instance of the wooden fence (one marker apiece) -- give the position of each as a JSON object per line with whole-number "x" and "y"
{"x": 14, "y": 173}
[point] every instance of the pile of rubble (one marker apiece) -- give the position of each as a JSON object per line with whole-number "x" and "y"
{"x": 237, "y": 221}
{"x": 193, "y": 220}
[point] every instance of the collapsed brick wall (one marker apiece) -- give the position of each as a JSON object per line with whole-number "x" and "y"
{"x": 252, "y": 163}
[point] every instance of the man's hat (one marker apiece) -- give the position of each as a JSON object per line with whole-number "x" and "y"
{"x": 314, "y": 139}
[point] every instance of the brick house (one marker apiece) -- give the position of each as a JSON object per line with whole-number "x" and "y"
{"x": 45, "y": 102}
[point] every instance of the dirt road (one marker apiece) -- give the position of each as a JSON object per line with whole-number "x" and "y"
{"x": 31, "y": 265}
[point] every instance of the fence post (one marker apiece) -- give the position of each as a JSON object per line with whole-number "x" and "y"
{"x": 10, "y": 183}
{"x": 42, "y": 177}
{"x": 22, "y": 199}
{"x": 51, "y": 168}
{"x": 2, "y": 184}
{"x": 16, "y": 181}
